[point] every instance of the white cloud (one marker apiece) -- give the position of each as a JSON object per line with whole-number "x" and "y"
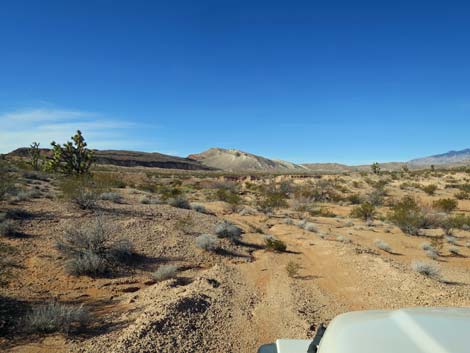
{"x": 21, "y": 127}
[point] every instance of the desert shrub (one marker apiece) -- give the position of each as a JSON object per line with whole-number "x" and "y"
{"x": 90, "y": 249}
{"x": 228, "y": 196}
{"x": 228, "y": 230}
{"x": 81, "y": 191}
{"x": 310, "y": 227}
{"x": 432, "y": 254}
{"x": 292, "y": 269}
{"x": 321, "y": 212}
{"x": 274, "y": 244}
{"x": 109, "y": 180}
{"x": 111, "y": 196}
{"x": 8, "y": 228}
{"x": 454, "y": 250}
{"x": 430, "y": 189}
{"x": 25, "y": 195}
{"x": 382, "y": 245}
{"x": 56, "y": 317}
{"x": 165, "y": 272}
{"x": 462, "y": 195}
{"x": 180, "y": 202}
{"x": 272, "y": 200}
{"x": 376, "y": 197}
{"x": 365, "y": 211}
{"x": 198, "y": 208}
{"x": 168, "y": 192}
{"x": 149, "y": 200}
{"x": 426, "y": 246}
{"x": 247, "y": 212}
{"x": 288, "y": 221}
{"x": 207, "y": 242}
{"x": 445, "y": 205}
{"x": 425, "y": 268}
{"x": 407, "y": 215}
{"x": 451, "y": 240}
{"x": 354, "y": 199}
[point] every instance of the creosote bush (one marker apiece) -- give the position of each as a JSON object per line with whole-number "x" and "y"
{"x": 445, "y": 205}
{"x": 430, "y": 189}
{"x": 56, "y": 317}
{"x": 207, "y": 242}
{"x": 408, "y": 216}
{"x": 198, "y": 208}
{"x": 81, "y": 191}
{"x": 91, "y": 249}
{"x": 274, "y": 244}
{"x": 365, "y": 211}
{"x": 165, "y": 272}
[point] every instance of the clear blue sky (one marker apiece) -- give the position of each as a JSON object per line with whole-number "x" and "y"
{"x": 306, "y": 81}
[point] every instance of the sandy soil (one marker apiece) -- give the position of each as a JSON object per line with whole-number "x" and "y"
{"x": 224, "y": 302}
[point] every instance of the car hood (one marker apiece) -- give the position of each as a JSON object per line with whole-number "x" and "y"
{"x": 419, "y": 330}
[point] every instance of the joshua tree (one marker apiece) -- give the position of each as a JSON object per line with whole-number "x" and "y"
{"x": 35, "y": 155}
{"x": 375, "y": 168}
{"x": 72, "y": 157}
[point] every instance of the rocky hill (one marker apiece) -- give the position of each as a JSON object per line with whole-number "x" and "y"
{"x": 233, "y": 160}
{"x": 131, "y": 159}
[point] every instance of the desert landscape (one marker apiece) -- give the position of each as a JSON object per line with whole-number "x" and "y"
{"x": 219, "y": 254}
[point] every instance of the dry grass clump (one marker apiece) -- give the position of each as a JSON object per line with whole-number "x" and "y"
{"x": 382, "y": 245}
{"x": 180, "y": 202}
{"x": 8, "y": 228}
{"x": 274, "y": 244}
{"x": 426, "y": 268}
{"x": 81, "y": 191}
{"x": 292, "y": 269}
{"x": 165, "y": 272}
{"x": 57, "y": 317}
{"x": 228, "y": 230}
{"x": 91, "y": 249}
{"x": 111, "y": 196}
{"x": 207, "y": 242}
{"x": 198, "y": 208}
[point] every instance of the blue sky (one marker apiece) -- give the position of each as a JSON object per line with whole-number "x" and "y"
{"x": 307, "y": 81}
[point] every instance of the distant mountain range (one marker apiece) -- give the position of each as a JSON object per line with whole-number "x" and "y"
{"x": 450, "y": 158}
{"x": 232, "y": 160}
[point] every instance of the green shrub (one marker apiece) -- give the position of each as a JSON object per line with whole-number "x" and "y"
{"x": 272, "y": 200}
{"x": 430, "y": 189}
{"x": 274, "y": 244}
{"x": 407, "y": 215}
{"x": 445, "y": 205}
{"x": 365, "y": 211}
{"x": 228, "y": 196}
{"x": 462, "y": 195}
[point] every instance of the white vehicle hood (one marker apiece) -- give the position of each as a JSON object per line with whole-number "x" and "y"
{"x": 420, "y": 330}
